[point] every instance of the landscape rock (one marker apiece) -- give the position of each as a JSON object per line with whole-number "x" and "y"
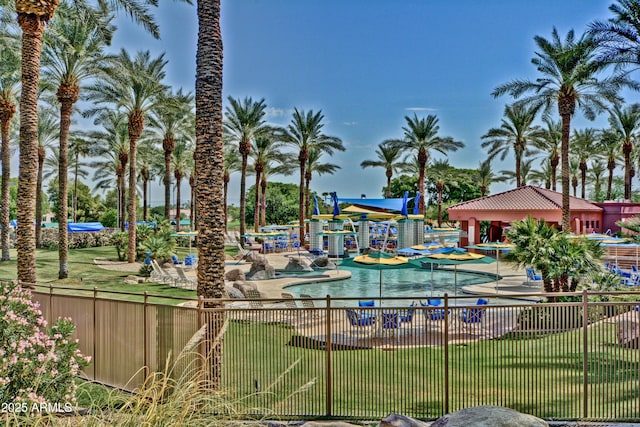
{"x": 243, "y": 286}
{"x": 233, "y": 292}
{"x": 234, "y": 275}
{"x": 260, "y": 269}
{"x": 134, "y": 280}
{"x": 298, "y": 264}
{"x": 324, "y": 262}
{"x": 397, "y": 420}
{"x": 488, "y": 416}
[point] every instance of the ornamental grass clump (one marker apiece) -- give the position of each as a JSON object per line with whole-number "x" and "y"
{"x": 37, "y": 363}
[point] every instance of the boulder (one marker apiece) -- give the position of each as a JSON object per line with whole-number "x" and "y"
{"x": 324, "y": 262}
{"x": 396, "y": 420}
{"x": 488, "y": 416}
{"x": 243, "y": 286}
{"x": 233, "y": 292}
{"x": 260, "y": 269}
{"x": 298, "y": 264}
{"x": 234, "y": 275}
{"x": 133, "y": 280}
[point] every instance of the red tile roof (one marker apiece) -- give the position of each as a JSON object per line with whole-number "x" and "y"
{"x": 528, "y": 197}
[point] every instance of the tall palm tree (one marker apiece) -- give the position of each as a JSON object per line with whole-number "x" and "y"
{"x": 147, "y": 155}
{"x": 134, "y": 85}
{"x": 171, "y": 120}
{"x": 549, "y": 141}
{"x": 542, "y": 176}
{"x": 304, "y": 134}
{"x": 181, "y": 164}
{"x": 609, "y": 148}
{"x": 626, "y": 123}
{"x": 517, "y": 132}
{"x": 244, "y": 121}
{"x": 112, "y": 144}
{"x": 420, "y": 137}
{"x": 596, "y": 172}
{"x": 569, "y": 79}
{"x": 440, "y": 173}
{"x": 32, "y": 18}
{"x": 618, "y": 38}
{"x": 315, "y": 166}
{"x": 232, "y": 163}
{"x": 48, "y": 132}
{"x": 209, "y": 167}
{"x": 73, "y": 52}
{"x": 79, "y": 146}
{"x": 388, "y": 157}
{"x": 264, "y": 150}
{"x": 584, "y": 144}
{"x": 574, "y": 166}
{"x": 526, "y": 170}
{"x": 485, "y": 177}
{"x": 9, "y": 84}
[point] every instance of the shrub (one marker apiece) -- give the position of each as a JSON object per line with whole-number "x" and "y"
{"x": 37, "y": 364}
{"x": 120, "y": 240}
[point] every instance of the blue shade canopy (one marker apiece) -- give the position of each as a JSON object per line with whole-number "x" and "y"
{"x": 84, "y": 227}
{"x": 336, "y": 208}
{"x": 404, "y": 204}
{"x": 416, "y": 206}
{"x": 316, "y": 211}
{"x": 390, "y": 204}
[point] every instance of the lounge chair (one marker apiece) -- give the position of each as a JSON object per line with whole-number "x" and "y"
{"x": 255, "y": 298}
{"x": 359, "y": 322}
{"x": 175, "y": 260}
{"x": 242, "y": 254}
{"x": 472, "y": 317}
{"x": 158, "y": 274}
{"x": 433, "y": 312}
{"x": 289, "y": 301}
{"x": 532, "y": 276}
{"x": 390, "y": 323}
{"x": 307, "y": 303}
{"x": 183, "y": 281}
{"x": 408, "y": 316}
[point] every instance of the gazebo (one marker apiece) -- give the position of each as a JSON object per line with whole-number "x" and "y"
{"x": 513, "y": 205}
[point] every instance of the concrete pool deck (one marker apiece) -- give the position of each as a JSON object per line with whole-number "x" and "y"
{"x": 512, "y": 285}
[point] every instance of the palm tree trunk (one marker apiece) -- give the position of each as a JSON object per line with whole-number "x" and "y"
{"x": 192, "y": 207}
{"x": 167, "y": 184}
{"x": 627, "y": 147}
{"x": 307, "y": 184}
{"x": 178, "y": 213}
{"x": 301, "y": 194}
{"x": 209, "y": 167}
{"x": 564, "y": 161}
{"x": 609, "y": 182}
{"x": 583, "y": 180}
{"x": 136, "y": 124}
{"x": 144, "y": 200}
{"x": 518, "y": 156}
{"x": 122, "y": 194}
{"x": 439, "y": 187}
{"x": 32, "y": 30}
{"x": 421, "y": 188}
{"x": 389, "y": 175}
{"x": 263, "y": 207}
{"x": 5, "y": 121}
{"x": 66, "y": 98}
{"x": 41, "y": 157}
{"x": 75, "y": 189}
{"x": 225, "y": 192}
{"x": 554, "y": 172}
{"x": 243, "y": 200}
{"x": 256, "y": 202}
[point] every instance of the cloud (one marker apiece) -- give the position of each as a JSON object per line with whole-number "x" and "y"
{"x": 421, "y": 109}
{"x": 349, "y": 123}
{"x": 273, "y": 112}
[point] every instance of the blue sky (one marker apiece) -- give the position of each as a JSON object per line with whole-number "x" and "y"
{"x": 368, "y": 63}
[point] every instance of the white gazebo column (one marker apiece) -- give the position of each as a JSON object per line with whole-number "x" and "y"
{"x": 471, "y": 233}
{"x": 418, "y": 231}
{"x": 363, "y": 234}
{"x": 315, "y": 240}
{"x": 336, "y": 241}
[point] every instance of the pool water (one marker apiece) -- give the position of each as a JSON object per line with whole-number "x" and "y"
{"x": 403, "y": 283}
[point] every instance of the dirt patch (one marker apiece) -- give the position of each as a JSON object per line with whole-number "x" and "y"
{"x": 117, "y": 265}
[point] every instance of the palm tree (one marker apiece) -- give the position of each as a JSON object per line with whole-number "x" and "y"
{"x": 304, "y": 133}
{"x": 181, "y": 164}
{"x": 420, "y": 137}
{"x": 315, "y": 166}
{"x": 112, "y": 144}
{"x": 526, "y": 171}
{"x": 569, "y": 80}
{"x": 584, "y": 144}
{"x": 485, "y": 177}
{"x": 440, "y": 173}
{"x": 516, "y": 133}
{"x": 609, "y": 148}
{"x": 626, "y": 123}
{"x": 619, "y": 37}
{"x": 48, "y": 132}
{"x": 388, "y": 157}
{"x": 598, "y": 168}
{"x": 574, "y": 166}
{"x": 134, "y": 85}
{"x": 264, "y": 150}
{"x": 542, "y": 176}
{"x": 147, "y": 155}
{"x": 72, "y": 53}
{"x": 9, "y": 82}
{"x": 232, "y": 163}
{"x": 244, "y": 121}
{"x": 171, "y": 120}
{"x": 549, "y": 141}
{"x": 209, "y": 167}
{"x": 32, "y": 17}
{"x": 284, "y": 166}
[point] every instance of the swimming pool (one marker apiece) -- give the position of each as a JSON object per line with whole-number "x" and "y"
{"x": 404, "y": 283}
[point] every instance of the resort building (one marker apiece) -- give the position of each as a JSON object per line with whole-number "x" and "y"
{"x": 513, "y": 205}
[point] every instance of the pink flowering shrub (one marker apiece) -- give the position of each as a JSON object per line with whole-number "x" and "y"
{"x": 37, "y": 363}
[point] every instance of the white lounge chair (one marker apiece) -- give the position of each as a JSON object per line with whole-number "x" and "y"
{"x": 158, "y": 274}
{"x": 183, "y": 281}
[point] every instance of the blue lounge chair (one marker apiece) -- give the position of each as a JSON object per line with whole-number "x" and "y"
{"x": 473, "y": 316}
{"x": 390, "y": 323}
{"x": 532, "y": 276}
{"x": 175, "y": 260}
{"x": 408, "y": 317}
{"x": 432, "y": 313}
{"x": 359, "y": 321}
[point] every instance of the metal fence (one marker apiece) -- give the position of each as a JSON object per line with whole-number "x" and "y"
{"x": 303, "y": 358}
